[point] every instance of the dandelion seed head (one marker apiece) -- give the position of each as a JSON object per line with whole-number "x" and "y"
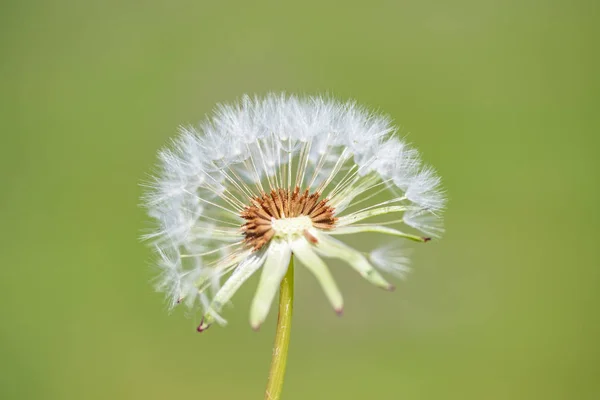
{"x": 268, "y": 178}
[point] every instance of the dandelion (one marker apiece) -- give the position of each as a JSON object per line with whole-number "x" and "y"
{"x": 270, "y": 180}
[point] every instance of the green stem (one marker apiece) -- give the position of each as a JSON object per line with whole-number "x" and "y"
{"x": 282, "y": 335}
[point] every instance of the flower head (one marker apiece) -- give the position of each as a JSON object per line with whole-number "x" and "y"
{"x": 272, "y": 177}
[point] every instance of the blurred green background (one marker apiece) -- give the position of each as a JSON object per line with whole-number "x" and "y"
{"x": 501, "y": 97}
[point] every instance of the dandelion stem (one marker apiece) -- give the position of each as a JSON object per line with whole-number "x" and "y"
{"x": 282, "y": 335}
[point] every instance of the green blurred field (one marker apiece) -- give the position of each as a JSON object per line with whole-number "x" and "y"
{"x": 502, "y": 97}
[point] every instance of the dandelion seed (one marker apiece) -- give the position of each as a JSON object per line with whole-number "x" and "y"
{"x": 270, "y": 178}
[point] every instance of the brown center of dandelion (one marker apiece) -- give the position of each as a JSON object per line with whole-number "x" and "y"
{"x": 285, "y": 213}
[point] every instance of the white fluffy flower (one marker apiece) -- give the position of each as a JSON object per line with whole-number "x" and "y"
{"x": 272, "y": 177}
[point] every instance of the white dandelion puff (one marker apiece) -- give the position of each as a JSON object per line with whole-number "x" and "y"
{"x": 267, "y": 179}
{"x": 392, "y": 259}
{"x": 424, "y": 190}
{"x": 425, "y": 221}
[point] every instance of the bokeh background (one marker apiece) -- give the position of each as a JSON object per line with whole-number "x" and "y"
{"x": 501, "y": 96}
